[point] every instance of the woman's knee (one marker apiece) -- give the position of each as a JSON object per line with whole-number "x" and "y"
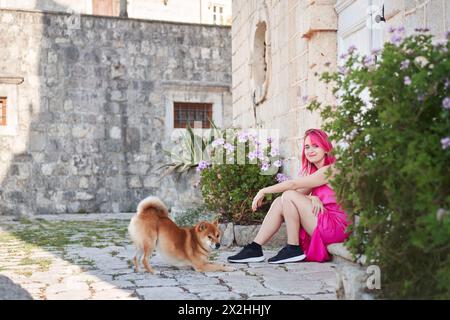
{"x": 276, "y": 206}
{"x": 287, "y": 195}
{"x": 290, "y": 195}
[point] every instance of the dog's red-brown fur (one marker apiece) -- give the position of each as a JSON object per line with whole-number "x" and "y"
{"x": 151, "y": 228}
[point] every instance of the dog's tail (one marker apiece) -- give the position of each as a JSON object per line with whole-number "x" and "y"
{"x": 152, "y": 205}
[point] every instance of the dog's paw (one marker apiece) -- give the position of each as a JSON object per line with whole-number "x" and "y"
{"x": 229, "y": 269}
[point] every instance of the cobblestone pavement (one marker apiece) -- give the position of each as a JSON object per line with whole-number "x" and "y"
{"x": 89, "y": 257}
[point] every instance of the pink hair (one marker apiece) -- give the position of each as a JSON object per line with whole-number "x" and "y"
{"x": 320, "y": 138}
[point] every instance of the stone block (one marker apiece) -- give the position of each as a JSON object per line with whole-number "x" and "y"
{"x": 351, "y": 282}
{"x": 227, "y": 230}
{"x": 319, "y": 17}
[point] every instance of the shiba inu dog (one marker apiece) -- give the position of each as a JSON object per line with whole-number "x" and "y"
{"x": 151, "y": 228}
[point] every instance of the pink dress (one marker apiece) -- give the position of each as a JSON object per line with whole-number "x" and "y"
{"x": 331, "y": 227}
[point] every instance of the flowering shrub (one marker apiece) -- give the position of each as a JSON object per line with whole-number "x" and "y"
{"x": 239, "y": 165}
{"x": 392, "y": 130}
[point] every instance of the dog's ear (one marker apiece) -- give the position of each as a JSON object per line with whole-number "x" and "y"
{"x": 201, "y": 226}
{"x": 216, "y": 222}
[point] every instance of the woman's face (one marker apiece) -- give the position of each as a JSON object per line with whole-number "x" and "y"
{"x": 314, "y": 153}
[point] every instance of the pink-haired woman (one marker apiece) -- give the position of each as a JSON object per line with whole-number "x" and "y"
{"x": 308, "y": 207}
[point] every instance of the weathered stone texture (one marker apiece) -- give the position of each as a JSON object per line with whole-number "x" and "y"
{"x": 92, "y": 109}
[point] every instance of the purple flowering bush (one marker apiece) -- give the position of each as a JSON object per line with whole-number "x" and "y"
{"x": 238, "y": 165}
{"x": 392, "y": 128}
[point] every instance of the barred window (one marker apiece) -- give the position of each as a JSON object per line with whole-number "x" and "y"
{"x": 218, "y": 17}
{"x": 2, "y": 111}
{"x": 188, "y": 112}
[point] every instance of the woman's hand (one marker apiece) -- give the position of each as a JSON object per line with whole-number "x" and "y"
{"x": 316, "y": 205}
{"x": 257, "y": 200}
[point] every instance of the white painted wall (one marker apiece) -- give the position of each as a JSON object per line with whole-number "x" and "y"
{"x": 354, "y": 27}
{"x": 189, "y": 11}
{"x": 79, "y": 6}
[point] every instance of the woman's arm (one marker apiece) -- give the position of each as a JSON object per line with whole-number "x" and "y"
{"x": 305, "y": 191}
{"x": 316, "y": 179}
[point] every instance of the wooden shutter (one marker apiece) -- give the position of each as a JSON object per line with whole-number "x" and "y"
{"x": 102, "y": 7}
{"x": 2, "y": 111}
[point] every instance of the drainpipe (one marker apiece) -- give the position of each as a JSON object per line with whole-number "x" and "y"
{"x": 371, "y": 28}
{"x": 123, "y": 9}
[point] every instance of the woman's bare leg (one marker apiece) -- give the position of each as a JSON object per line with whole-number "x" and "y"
{"x": 272, "y": 222}
{"x": 297, "y": 211}
{"x": 291, "y": 217}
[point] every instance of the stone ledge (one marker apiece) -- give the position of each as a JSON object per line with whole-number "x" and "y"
{"x": 11, "y": 80}
{"x": 240, "y": 235}
{"x": 340, "y": 250}
{"x": 351, "y": 274}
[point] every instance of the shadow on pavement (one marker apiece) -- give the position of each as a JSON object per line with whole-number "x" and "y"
{"x": 12, "y": 291}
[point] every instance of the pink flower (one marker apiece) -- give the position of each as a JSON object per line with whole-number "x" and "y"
{"x": 252, "y": 155}
{"x": 375, "y": 51}
{"x": 304, "y": 99}
{"x": 404, "y": 64}
{"x": 445, "y": 142}
{"x": 446, "y": 103}
{"x": 368, "y": 61}
{"x": 407, "y": 80}
{"x": 273, "y": 152}
{"x": 218, "y": 142}
{"x": 351, "y": 49}
{"x": 281, "y": 177}
{"x": 342, "y": 70}
{"x": 202, "y": 165}
{"x": 243, "y": 137}
{"x": 278, "y": 163}
{"x": 228, "y": 147}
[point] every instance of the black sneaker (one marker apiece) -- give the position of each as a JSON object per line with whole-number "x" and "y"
{"x": 288, "y": 254}
{"x": 248, "y": 254}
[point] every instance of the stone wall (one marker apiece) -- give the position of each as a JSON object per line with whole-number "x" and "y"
{"x": 300, "y": 38}
{"x": 193, "y": 11}
{"x": 431, "y": 14}
{"x": 92, "y": 101}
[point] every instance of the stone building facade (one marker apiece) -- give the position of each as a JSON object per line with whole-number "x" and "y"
{"x": 90, "y": 105}
{"x": 279, "y": 45}
{"x": 190, "y": 11}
